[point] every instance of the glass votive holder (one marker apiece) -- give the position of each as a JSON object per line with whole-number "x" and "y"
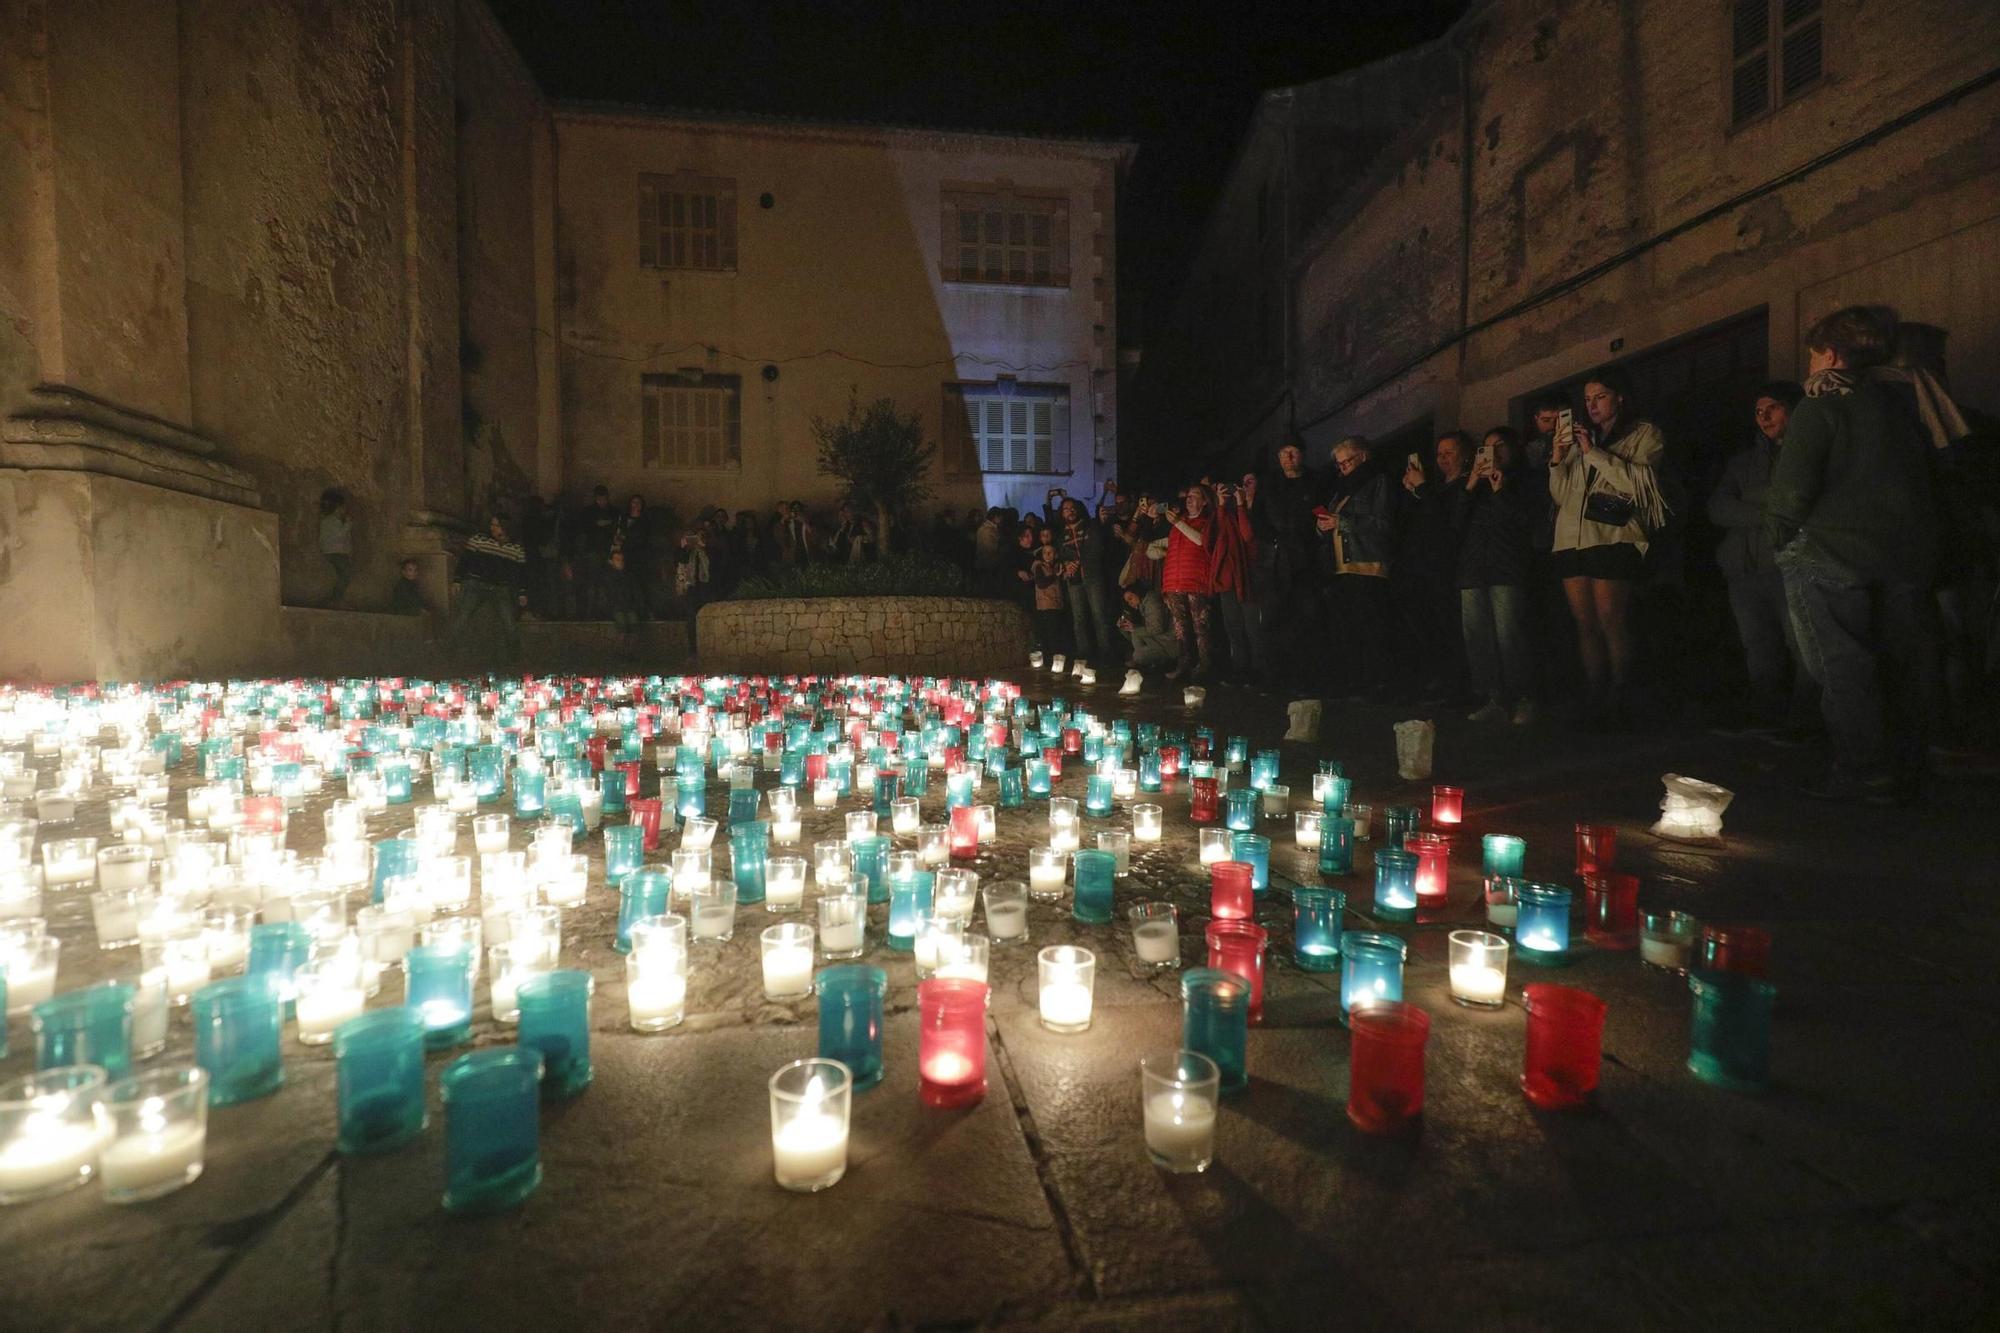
{"x": 787, "y": 953}
{"x": 1118, "y": 842}
{"x": 1178, "y": 1097}
{"x": 492, "y": 1117}
{"x": 1334, "y": 836}
{"x": 850, "y": 1019}
{"x": 555, "y": 1020}
{"x": 860, "y": 824}
{"x": 833, "y": 864}
{"x": 1433, "y": 868}
{"x": 1596, "y": 848}
{"x": 1447, "y": 806}
{"x": 1048, "y": 869}
{"x": 1067, "y": 975}
{"x": 88, "y": 1026}
{"x": 1611, "y": 910}
{"x": 566, "y": 880}
{"x": 51, "y": 1131}
{"x": 1231, "y": 891}
{"x": 1215, "y": 1021}
{"x": 1478, "y": 963}
{"x": 1371, "y": 970}
{"x": 904, "y": 818}
{"x": 1503, "y": 854}
{"x": 1239, "y": 809}
{"x": 1398, "y": 821}
{"x": 1503, "y": 901}
{"x": 1277, "y": 800}
{"x": 1254, "y": 850}
{"x": 1565, "y": 1046}
{"x": 810, "y": 1100}
{"x": 237, "y": 1025}
{"x": 1541, "y": 923}
{"x": 692, "y": 869}
{"x": 115, "y": 914}
{"x": 1096, "y": 873}
{"x": 951, "y": 1041}
{"x": 967, "y": 955}
{"x": 379, "y": 1080}
{"x": 469, "y": 931}
{"x": 909, "y": 905}
{"x": 124, "y": 865}
{"x": 784, "y": 883}
{"x": 642, "y": 893}
{"x": 826, "y": 793}
{"x": 1306, "y": 828}
{"x": 156, "y": 1133}
{"x": 1156, "y": 934}
{"x": 1006, "y": 911}
{"x": 1744, "y": 949}
{"x": 437, "y": 980}
{"x": 1395, "y": 884}
{"x": 1238, "y": 946}
{"x": 69, "y": 861}
{"x": 1729, "y": 1043}
{"x": 1215, "y": 844}
{"x": 843, "y": 919}
{"x": 1317, "y": 927}
{"x": 648, "y": 813}
{"x": 507, "y": 966}
{"x": 1147, "y": 822}
{"x": 330, "y": 992}
{"x": 712, "y": 910}
{"x": 624, "y": 850}
{"x": 1363, "y": 816}
{"x": 1204, "y": 798}
{"x": 962, "y": 833}
{"x": 955, "y": 894}
{"x": 1386, "y": 1067}
{"x": 748, "y": 858}
{"x": 1667, "y": 940}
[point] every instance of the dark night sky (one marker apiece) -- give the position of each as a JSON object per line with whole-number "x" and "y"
{"x": 1180, "y": 80}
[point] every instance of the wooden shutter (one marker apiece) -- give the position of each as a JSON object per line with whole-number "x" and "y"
{"x": 1750, "y": 80}
{"x": 649, "y": 223}
{"x": 726, "y": 223}
{"x": 1059, "y": 245}
{"x": 948, "y": 255}
{"x": 649, "y": 425}
{"x": 1801, "y": 60}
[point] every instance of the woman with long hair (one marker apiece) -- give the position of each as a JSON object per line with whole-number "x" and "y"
{"x": 1187, "y": 583}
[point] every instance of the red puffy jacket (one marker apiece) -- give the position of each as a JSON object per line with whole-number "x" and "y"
{"x": 1186, "y": 568}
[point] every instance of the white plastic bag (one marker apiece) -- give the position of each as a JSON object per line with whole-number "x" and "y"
{"x": 1692, "y": 809}
{"x": 1304, "y": 716}
{"x": 1414, "y": 742}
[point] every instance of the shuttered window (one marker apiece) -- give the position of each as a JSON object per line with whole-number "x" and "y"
{"x": 1005, "y": 236}
{"x": 1007, "y": 427}
{"x": 691, "y": 422}
{"x": 1778, "y": 53}
{"x": 687, "y": 221}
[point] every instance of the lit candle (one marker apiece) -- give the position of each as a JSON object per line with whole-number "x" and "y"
{"x": 1306, "y": 827}
{"x": 842, "y": 925}
{"x": 903, "y": 816}
{"x": 1047, "y": 871}
{"x": 1473, "y": 984}
{"x": 1067, "y": 973}
{"x": 785, "y": 830}
{"x": 1146, "y": 823}
{"x": 1007, "y": 910}
{"x": 1180, "y": 1128}
{"x": 48, "y": 1151}
{"x": 657, "y": 997}
{"x": 1216, "y": 845}
{"x": 788, "y": 961}
{"x": 826, "y": 794}
{"x": 1155, "y": 933}
{"x": 784, "y": 883}
{"x": 809, "y": 1106}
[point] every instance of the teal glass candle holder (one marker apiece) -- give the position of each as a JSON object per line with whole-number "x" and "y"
{"x": 917, "y": 778}
{"x": 237, "y": 1026}
{"x": 1239, "y": 809}
{"x": 870, "y": 856}
{"x": 1395, "y": 885}
{"x": 641, "y": 893}
{"x": 567, "y": 808}
{"x": 1263, "y": 765}
{"x": 1334, "y": 793}
{"x": 1503, "y": 854}
{"x": 1040, "y": 783}
{"x": 1729, "y": 1043}
{"x": 1254, "y": 849}
{"x": 1096, "y": 872}
{"x": 1013, "y": 789}
{"x": 749, "y": 846}
{"x": 398, "y": 787}
{"x": 89, "y": 1026}
{"x": 1336, "y": 845}
{"x": 1097, "y": 795}
{"x": 742, "y": 804}
{"x": 1149, "y": 770}
{"x": 379, "y": 1080}
{"x": 1398, "y": 820}
{"x": 690, "y": 795}
{"x": 611, "y": 789}
{"x": 393, "y": 856}
{"x": 909, "y": 904}
{"x": 1316, "y": 927}
{"x": 792, "y": 768}
{"x": 1215, "y": 1021}
{"x": 493, "y": 1129}
{"x": 486, "y": 766}
{"x": 278, "y": 949}
{"x": 624, "y": 850}
{"x": 438, "y": 986}
{"x": 887, "y": 788}
{"x": 957, "y": 790}
{"x": 530, "y": 790}
{"x": 1541, "y": 923}
{"x": 850, "y": 1019}
{"x": 1371, "y": 969}
{"x": 555, "y": 1020}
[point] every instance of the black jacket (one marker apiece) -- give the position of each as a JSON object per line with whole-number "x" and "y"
{"x": 1497, "y": 532}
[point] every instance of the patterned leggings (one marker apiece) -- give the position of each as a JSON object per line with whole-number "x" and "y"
{"x": 1191, "y": 612}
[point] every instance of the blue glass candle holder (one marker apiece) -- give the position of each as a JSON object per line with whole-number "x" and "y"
{"x": 1096, "y": 872}
{"x": 379, "y": 1080}
{"x": 1336, "y": 845}
{"x": 917, "y": 778}
{"x": 438, "y": 987}
{"x": 1333, "y": 768}
{"x": 393, "y": 856}
{"x": 278, "y": 949}
{"x": 742, "y": 804}
{"x": 624, "y": 850}
{"x": 1013, "y": 789}
{"x": 493, "y": 1129}
{"x": 749, "y": 846}
{"x": 529, "y": 789}
{"x": 1729, "y": 1043}
{"x": 1149, "y": 770}
{"x": 1334, "y": 794}
{"x": 850, "y": 1019}
{"x": 1398, "y": 820}
{"x": 1239, "y": 809}
{"x": 555, "y": 1020}
{"x": 567, "y": 808}
{"x": 237, "y": 1026}
{"x": 1396, "y": 885}
{"x": 1215, "y": 1021}
{"x": 1263, "y": 766}
{"x": 611, "y": 791}
{"x": 1371, "y": 969}
{"x": 887, "y": 788}
{"x": 792, "y": 768}
{"x": 1541, "y": 923}
{"x": 1316, "y": 927}
{"x": 1255, "y": 849}
{"x": 840, "y": 768}
{"x": 1097, "y": 796}
{"x": 1147, "y": 735}
{"x": 89, "y": 1026}
{"x": 1039, "y": 782}
{"x": 870, "y": 856}
{"x": 957, "y": 790}
{"x": 641, "y": 893}
{"x": 690, "y": 795}
{"x": 1504, "y": 854}
{"x": 398, "y": 787}
{"x": 486, "y": 765}
{"x": 909, "y": 904}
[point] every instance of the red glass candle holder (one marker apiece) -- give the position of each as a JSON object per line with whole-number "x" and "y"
{"x": 964, "y": 835}
{"x": 630, "y": 768}
{"x": 1385, "y": 1091}
{"x": 1238, "y": 946}
{"x": 951, "y": 1041}
{"x": 1231, "y": 892}
{"x": 1206, "y": 796}
{"x": 815, "y": 768}
{"x": 264, "y": 814}
{"x": 1596, "y": 848}
{"x": 954, "y": 755}
{"x": 1565, "y": 1046}
{"x": 1611, "y": 909}
{"x": 1170, "y": 761}
{"x": 1433, "y": 853}
{"x": 1742, "y": 949}
{"x": 1447, "y": 809}
{"x": 645, "y": 812}
{"x": 593, "y": 750}
{"x": 1052, "y": 756}
{"x": 1072, "y": 741}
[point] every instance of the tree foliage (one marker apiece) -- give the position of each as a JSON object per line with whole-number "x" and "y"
{"x": 881, "y": 456}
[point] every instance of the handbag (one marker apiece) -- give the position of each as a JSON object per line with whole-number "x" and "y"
{"x": 1608, "y": 507}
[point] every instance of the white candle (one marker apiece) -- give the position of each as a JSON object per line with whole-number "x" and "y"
{"x": 1007, "y": 920}
{"x": 1661, "y": 950}
{"x": 1180, "y": 1128}
{"x": 712, "y": 921}
{"x": 785, "y": 832}
{"x": 116, "y": 918}
{"x": 69, "y": 870}
{"x": 840, "y": 938}
{"x": 29, "y": 982}
{"x": 787, "y": 972}
{"x": 1276, "y": 803}
{"x": 47, "y": 1153}
{"x": 1478, "y": 983}
{"x": 1064, "y": 837}
{"x": 1503, "y": 914}
{"x": 785, "y": 888}
{"x": 657, "y": 999}
{"x": 1046, "y": 881}
{"x": 963, "y": 968}
{"x": 324, "y": 1008}
{"x": 227, "y": 949}
{"x": 487, "y": 841}
{"x": 810, "y": 1147}
{"x": 145, "y": 1161}
{"x": 187, "y": 972}
{"x": 1066, "y": 1004}
{"x": 1156, "y": 941}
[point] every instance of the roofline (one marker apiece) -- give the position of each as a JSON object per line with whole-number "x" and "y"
{"x": 1120, "y": 150}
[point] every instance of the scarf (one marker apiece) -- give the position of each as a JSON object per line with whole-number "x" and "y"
{"x": 1936, "y": 412}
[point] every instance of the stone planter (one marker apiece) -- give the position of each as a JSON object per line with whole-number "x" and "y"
{"x": 871, "y": 635}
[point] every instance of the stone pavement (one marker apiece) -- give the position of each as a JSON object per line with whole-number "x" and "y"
{"x": 1862, "y": 1190}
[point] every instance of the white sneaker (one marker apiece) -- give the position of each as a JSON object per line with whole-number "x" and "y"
{"x": 1034, "y": 661}
{"x": 1135, "y": 681}
{"x": 1058, "y": 664}
{"x": 1492, "y": 711}
{"x": 1524, "y": 713}
{"x": 1078, "y": 667}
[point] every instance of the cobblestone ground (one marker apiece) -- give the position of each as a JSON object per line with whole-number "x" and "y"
{"x": 1860, "y": 1190}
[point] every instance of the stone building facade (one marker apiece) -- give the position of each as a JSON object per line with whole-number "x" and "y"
{"x": 253, "y": 250}
{"x": 1420, "y": 244}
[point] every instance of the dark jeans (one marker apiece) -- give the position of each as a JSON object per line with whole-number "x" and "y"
{"x": 1243, "y": 623}
{"x": 1051, "y": 631}
{"x": 476, "y": 596}
{"x": 1090, "y": 620}
{"x": 1780, "y": 689}
{"x": 1430, "y": 615}
{"x": 1868, "y": 645}
{"x": 1494, "y": 621}
{"x": 1361, "y": 608}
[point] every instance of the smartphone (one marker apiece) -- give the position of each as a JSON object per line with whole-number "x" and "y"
{"x": 1483, "y": 458}
{"x": 1565, "y": 424}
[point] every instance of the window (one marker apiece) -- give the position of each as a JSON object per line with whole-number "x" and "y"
{"x": 1004, "y": 236}
{"x": 1777, "y": 55}
{"x": 687, "y": 221}
{"x": 1006, "y": 427}
{"x": 691, "y": 421}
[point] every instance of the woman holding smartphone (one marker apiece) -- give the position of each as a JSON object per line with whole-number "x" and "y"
{"x": 1188, "y": 584}
{"x": 1603, "y": 479}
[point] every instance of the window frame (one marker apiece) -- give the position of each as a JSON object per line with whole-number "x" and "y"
{"x": 1771, "y": 50}
{"x": 658, "y": 390}
{"x": 965, "y": 443}
{"x": 980, "y": 203}
{"x": 658, "y": 235}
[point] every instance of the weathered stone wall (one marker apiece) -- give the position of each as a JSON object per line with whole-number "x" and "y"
{"x": 960, "y": 635}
